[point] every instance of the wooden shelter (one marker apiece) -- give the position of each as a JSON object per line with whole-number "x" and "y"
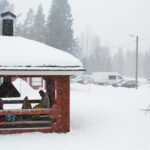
{"x": 21, "y": 57}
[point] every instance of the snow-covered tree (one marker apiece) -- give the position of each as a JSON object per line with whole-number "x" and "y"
{"x": 95, "y": 57}
{"x": 59, "y": 26}
{"x": 147, "y": 64}
{"x": 5, "y": 6}
{"x": 28, "y": 25}
{"x": 118, "y": 61}
{"x": 141, "y": 66}
{"x": 39, "y": 24}
{"x": 19, "y": 30}
{"x": 129, "y": 64}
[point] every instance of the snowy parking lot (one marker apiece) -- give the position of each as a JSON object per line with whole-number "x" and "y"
{"x": 102, "y": 118}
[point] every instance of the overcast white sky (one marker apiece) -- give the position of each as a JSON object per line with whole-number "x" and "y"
{"x": 112, "y": 20}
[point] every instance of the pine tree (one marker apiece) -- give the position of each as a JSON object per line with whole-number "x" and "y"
{"x": 129, "y": 64}
{"x": 39, "y": 24}
{"x": 59, "y": 26}
{"x": 28, "y": 25}
{"x": 85, "y": 50}
{"x": 147, "y": 64}
{"x": 101, "y": 60}
{"x": 5, "y": 6}
{"x": 141, "y": 66}
{"x": 19, "y": 30}
{"x": 118, "y": 61}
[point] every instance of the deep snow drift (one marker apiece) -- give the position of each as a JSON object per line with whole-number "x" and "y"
{"x": 102, "y": 118}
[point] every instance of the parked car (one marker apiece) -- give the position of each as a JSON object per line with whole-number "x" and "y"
{"x": 125, "y": 83}
{"x": 148, "y": 80}
{"x": 129, "y": 84}
{"x": 117, "y": 83}
{"x": 84, "y": 79}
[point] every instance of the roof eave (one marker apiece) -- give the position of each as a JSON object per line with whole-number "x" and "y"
{"x": 40, "y": 72}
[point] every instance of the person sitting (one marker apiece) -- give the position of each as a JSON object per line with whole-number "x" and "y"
{"x": 2, "y": 118}
{"x": 6, "y": 118}
{"x": 1, "y": 104}
{"x": 44, "y": 103}
{"x": 26, "y": 104}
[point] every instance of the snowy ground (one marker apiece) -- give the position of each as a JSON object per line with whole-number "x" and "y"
{"x": 102, "y": 118}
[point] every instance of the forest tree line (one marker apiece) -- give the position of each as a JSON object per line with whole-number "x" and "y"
{"x": 56, "y": 30}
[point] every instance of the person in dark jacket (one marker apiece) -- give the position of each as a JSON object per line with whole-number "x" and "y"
{"x": 1, "y": 104}
{"x": 2, "y": 118}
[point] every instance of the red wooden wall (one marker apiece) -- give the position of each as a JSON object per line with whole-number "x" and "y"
{"x": 62, "y": 106}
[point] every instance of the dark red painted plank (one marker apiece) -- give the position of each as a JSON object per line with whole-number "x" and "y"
{"x": 25, "y": 122}
{"x": 26, "y": 111}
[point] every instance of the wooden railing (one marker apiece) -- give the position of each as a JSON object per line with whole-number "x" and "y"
{"x": 25, "y": 111}
{"x": 28, "y": 125}
{"x": 19, "y": 101}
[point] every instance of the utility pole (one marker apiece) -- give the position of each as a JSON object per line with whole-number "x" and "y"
{"x": 136, "y": 59}
{"x": 137, "y": 46}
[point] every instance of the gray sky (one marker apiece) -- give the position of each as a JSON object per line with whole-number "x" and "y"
{"x": 112, "y": 20}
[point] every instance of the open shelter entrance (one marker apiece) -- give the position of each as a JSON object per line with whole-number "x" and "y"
{"x": 54, "y": 119}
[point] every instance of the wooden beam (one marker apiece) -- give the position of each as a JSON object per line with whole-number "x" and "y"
{"x": 25, "y": 122}
{"x": 19, "y": 101}
{"x": 24, "y": 130}
{"x": 45, "y": 72}
{"x": 26, "y": 111}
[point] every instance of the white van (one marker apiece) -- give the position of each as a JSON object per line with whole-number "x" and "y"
{"x": 105, "y": 78}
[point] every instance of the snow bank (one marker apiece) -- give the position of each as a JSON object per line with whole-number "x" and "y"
{"x": 102, "y": 118}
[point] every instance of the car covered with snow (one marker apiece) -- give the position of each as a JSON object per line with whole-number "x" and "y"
{"x": 83, "y": 79}
{"x": 117, "y": 83}
{"x": 126, "y": 83}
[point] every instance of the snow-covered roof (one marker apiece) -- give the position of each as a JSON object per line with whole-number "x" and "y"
{"x": 21, "y": 54}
